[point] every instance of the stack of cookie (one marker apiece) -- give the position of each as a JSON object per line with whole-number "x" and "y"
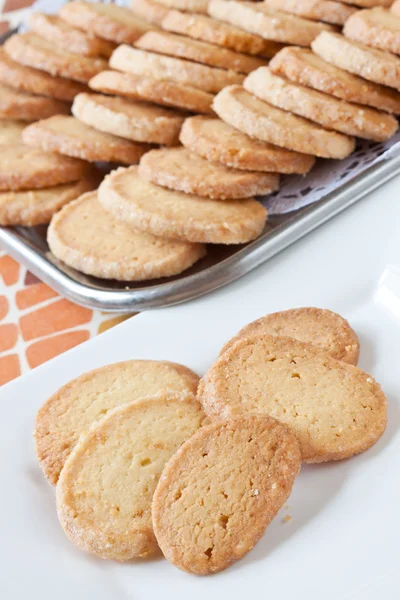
{"x": 142, "y": 463}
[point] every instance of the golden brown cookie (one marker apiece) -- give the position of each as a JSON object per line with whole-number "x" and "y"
{"x": 206, "y": 29}
{"x": 368, "y": 3}
{"x": 149, "y": 64}
{"x": 28, "y": 107}
{"x": 180, "y": 46}
{"x": 316, "y": 10}
{"x": 67, "y": 135}
{"x": 159, "y": 91}
{"x": 107, "y": 21}
{"x": 257, "y": 18}
{"x": 322, "y": 328}
{"x": 69, "y": 413}
{"x": 335, "y": 409}
{"x": 331, "y": 113}
{"x": 377, "y": 27}
{"x": 220, "y": 491}
{"x": 177, "y": 215}
{"x": 136, "y": 121}
{"x": 371, "y": 64}
{"x": 61, "y": 34}
{"x": 110, "y": 249}
{"x": 218, "y": 142}
{"x": 10, "y": 131}
{"x": 25, "y": 168}
{"x": 36, "y": 207}
{"x": 256, "y": 118}
{"x": 306, "y": 68}
{"x": 26, "y": 79}
{"x": 152, "y": 12}
{"x": 189, "y": 6}
{"x": 33, "y": 51}
{"x": 181, "y": 170}
{"x": 106, "y": 487}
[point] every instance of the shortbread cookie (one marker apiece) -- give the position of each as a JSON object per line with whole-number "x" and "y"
{"x": 159, "y": 91}
{"x": 36, "y": 207}
{"x": 372, "y": 64}
{"x": 316, "y": 10}
{"x": 220, "y": 491}
{"x": 152, "y": 12}
{"x": 110, "y": 249}
{"x": 69, "y": 413}
{"x": 67, "y": 135}
{"x": 59, "y": 32}
{"x": 306, "y": 68}
{"x": 377, "y": 27}
{"x": 28, "y": 107}
{"x": 335, "y": 409}
{"x": 106, "y": 487}
{"x": 108, "y": 21}
{"x": 395, "y": 8}
{"x": 331, "y": 113}
{"x": 258, "y": 119}
{"x": 190, "y": 6}
{"x": 206, "y": 29}
{"x": 218, "y": 142}
{"x": 26, "y": 79}
{"x": 368, "y": 3}
{"x": 320, "y": 327}
{"x": 181, "y": 170}
{"x": 33, "y": 51}
{"x": 25, "y": 168}
{"x": 10, "y": 131}
{"x": 257, "y": 18}
{"x": 149, "y": 64}
{"x": 202, "y": 52}
{"x": 136, "y": 121}
{"x": 177, "y": 215}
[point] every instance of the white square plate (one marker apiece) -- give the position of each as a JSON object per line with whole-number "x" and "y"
{"x": 342, "y": 542}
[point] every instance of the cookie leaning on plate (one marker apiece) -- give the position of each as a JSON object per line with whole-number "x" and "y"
{"x": 181, "y": 170}
{"x": 220, "y": 491}
{"x": 335, "y": 409}
{"x": 110, "y": 249}
{"x": 28, "y": 107}
{"x": 376, "y": 27}
{"x": 106, "y": 487}
{"x": 70, "y": 412}
{"x": 176, "y": 215}
{"x": 320, "y": 327}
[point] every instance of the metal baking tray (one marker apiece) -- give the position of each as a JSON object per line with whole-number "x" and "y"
{"x": 222, "y": 265}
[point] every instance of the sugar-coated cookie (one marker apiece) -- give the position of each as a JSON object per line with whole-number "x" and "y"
{"x": 316, "y": 10}
{"x": 28, "y": 107}
{"x": 189, "y": 6}
{"x": 377, "y": 27}
{"x": 150, "y": 11}
{"x": 10, "y": 131}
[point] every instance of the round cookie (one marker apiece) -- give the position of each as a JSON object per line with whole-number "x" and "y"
{"x": 180, "y": 46}
{"x": 218, "y": 142}
{"x": 59, "y": 32}
{"x": 306, "y": 68}
{"x": 149, "y": 64}
{"x": 331, "y": 113}
{"x": 322, "y": 328}
{"x": 166, "y": 93}
{"x": 256, "y": 118}
{"x": 110, "y": 249}
{"x": 70, "y": 412}
{"x": 25, "y": 168}
{"x": 368, "y": 3}
{"x": 10, "y": 131}
{"x": 106, "y": 487}
{"x": 335, "y": 409}
{"x": 178, "y": 169}
{"x": 67, "y": 135}
{"x": 177, "y": 215}
{"x": 152, "y": 12}
{"x": 316, "y": 10}
{"x": 33, "y": 51}
{"x": 28, "y": 107}
{"x": 257, "y": 18}
{"x": 206, "y": 29}
{"x": 220, "y": 491}
{"x": 371, "y": 64}
{"x": 26, "y": 79}
{"x": 128, "y": 119}
{"x": 189, "y": 6}
{"x": 36, "y": 207}
{"x": 377, "y": 27}
{"x": 108, "y": 21}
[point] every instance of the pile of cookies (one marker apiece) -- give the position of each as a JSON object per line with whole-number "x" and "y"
{"x": 147, "y": 457}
